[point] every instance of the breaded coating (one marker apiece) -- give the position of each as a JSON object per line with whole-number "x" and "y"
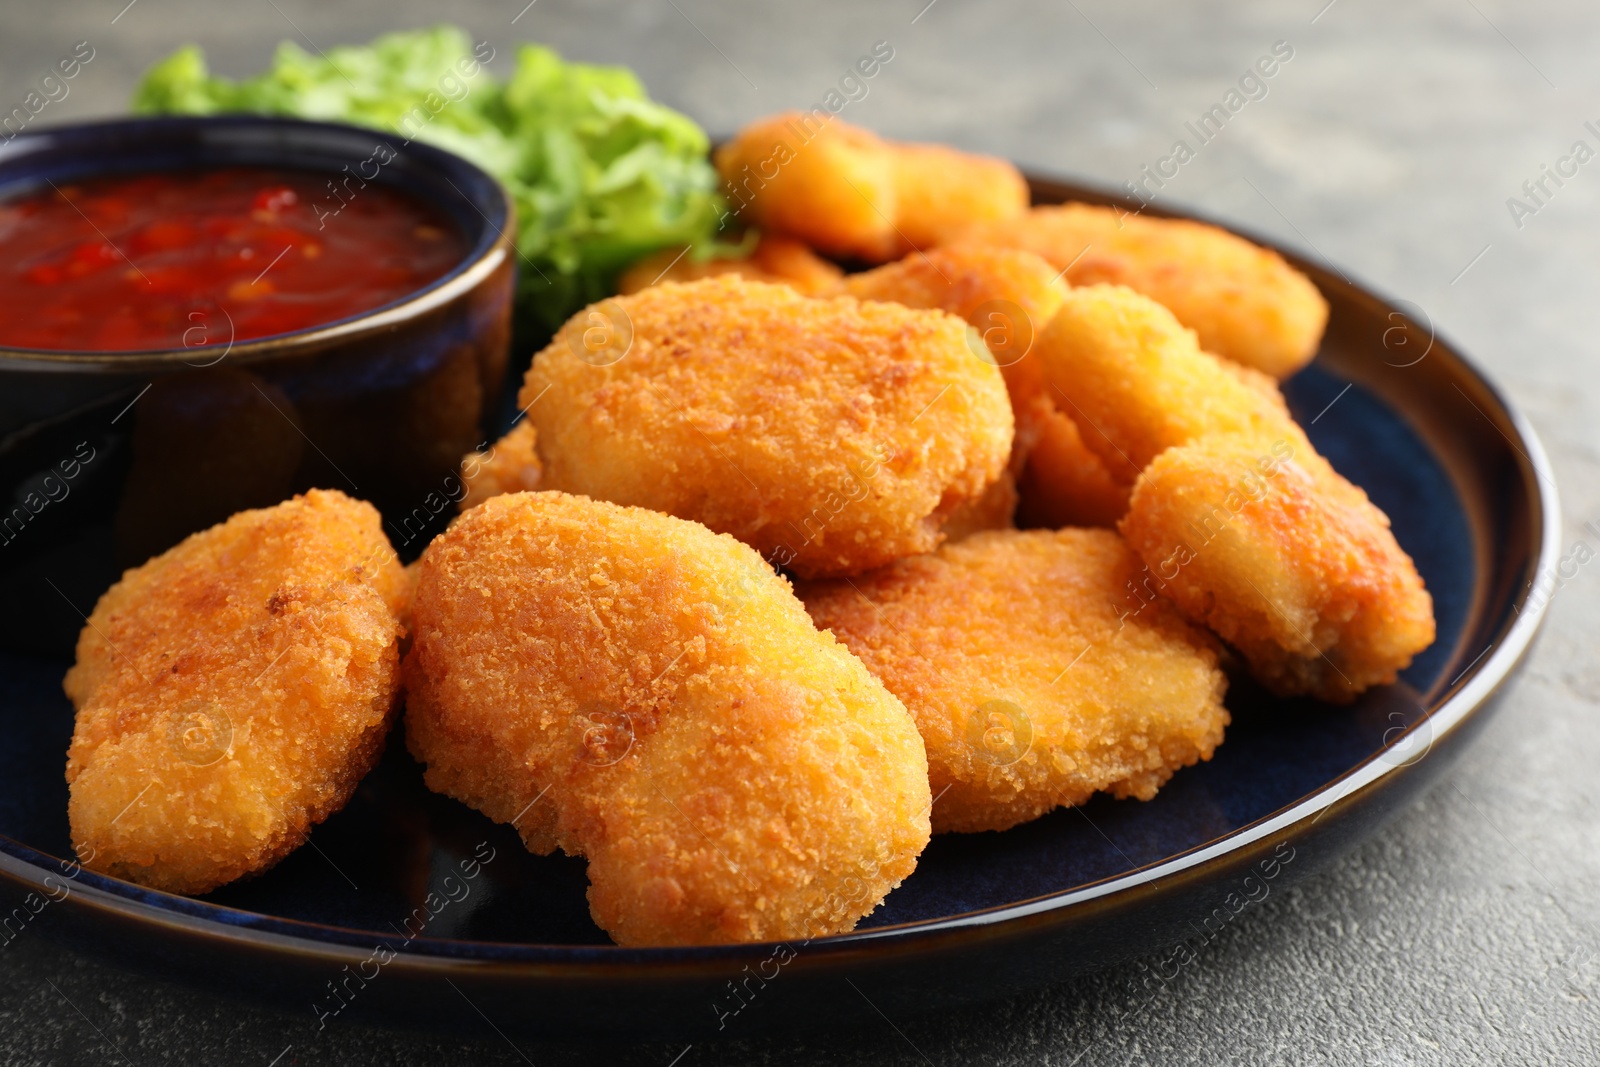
{"x": 1010, "y": 296}
{"x": 1007, "y": 295}
{"x": 1035, "y": 674}
{"x": 511, "y": 465}
{"x": 849, "y": 193}
{"x": 232, "y": 692}
{"x": 827, "y": 183}
{"x": 635, "y": 689}
{"x": 1062, "y": 482}
{"x": 774, "y": 259}
{"x": 1310, "y": 583}
{"x": 941, "y": 191}
{"x": 832, "y": 435}
{"x": 1136, "y": 382}
{"x": 1243, "y": 300}
{"x": 994, "y": 510}
{"x": 961, "y": 280}
{"x": 1286, "y": 560}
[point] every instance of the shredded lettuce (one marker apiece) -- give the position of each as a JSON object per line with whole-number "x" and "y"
{"x": 599, "y": 173}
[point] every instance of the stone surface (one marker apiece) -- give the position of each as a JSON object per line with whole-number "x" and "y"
{"x": 1389, "y": 144}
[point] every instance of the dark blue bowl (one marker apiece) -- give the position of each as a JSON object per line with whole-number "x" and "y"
{"x": 416, "y": 911}
{"x": 162, "y": 443}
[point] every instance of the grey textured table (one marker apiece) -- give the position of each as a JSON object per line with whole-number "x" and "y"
{"x": 1465, "y": 931}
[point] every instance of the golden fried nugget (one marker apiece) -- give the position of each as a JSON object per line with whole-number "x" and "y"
{"x": 1010, "y": 296}
{"x": 847, "y": 192}
{"x": 1062, "y": 482}
{"x": 774, "y": 259}
{"x": 1284, "y": 559}
{"x": 994, "y": 510}
{"x": 962, "y": 280}
{"x": 791, "y": 262}
{"x": 635, "y": 689}
{"x": 825, "y": 182}
{"x": 232, "y": 692}
{"x": 1136, "y": 382}
{"x": 830, "y": 434}
{"x": 1034, "y": 674}
{"x": 1243, "y": 300}
{"x": 942, "y": 191}
{"x": 1007, "y": 295}
{"x": 511, "y": 465}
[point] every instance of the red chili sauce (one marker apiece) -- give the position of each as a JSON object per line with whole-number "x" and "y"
{"x": 188, "y": 258}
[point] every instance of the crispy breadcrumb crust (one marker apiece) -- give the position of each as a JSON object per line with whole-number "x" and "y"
{"x": 636, "y": 689}
{"x": 822, "y": 181}
{"x": 848, "y": 192}
{"x": 1284, "y": 559}
{"x": 775, "y": 258}
{"x": 1245, "y": 302}
{"x": 1137, "y": 383}
{"x": 996, "y": 509}
{"x": 1063, "y": 483}
{"x": 941, "y": 191}
{"x": 832, "y": 435}
{"x": 1010, "y": 296}
{"x": 511, "y": 465}
{"x": 232, "y": 692}
{"x": 1035, "y": 672}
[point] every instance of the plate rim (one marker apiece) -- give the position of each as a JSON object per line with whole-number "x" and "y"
{"x": 1483, "y": 680}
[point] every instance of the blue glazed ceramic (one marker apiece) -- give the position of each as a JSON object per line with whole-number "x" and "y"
{"x": 381, "y": 405}
{"x": 442, "y": 915}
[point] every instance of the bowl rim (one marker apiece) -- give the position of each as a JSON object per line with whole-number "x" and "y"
{"x": 492, "y": 249}
{"x": 1469, "y": 693}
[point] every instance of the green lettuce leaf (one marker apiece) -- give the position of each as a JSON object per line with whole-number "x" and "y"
{"x": 599, "y": 173}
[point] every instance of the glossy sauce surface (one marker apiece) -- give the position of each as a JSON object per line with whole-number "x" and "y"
{"x": 204, "y": 257}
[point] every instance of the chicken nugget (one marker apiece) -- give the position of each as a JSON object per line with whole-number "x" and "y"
{"x": 1284, "y": 559}
{"x": 848, "y": 192}
{"x": 812, "y": 177}
{"x": 994, "y": 510}
{"x": 635, "y": 689}
{"x": 774, "y": 259}
{"x": 1137, "y": 383}
{"x": 511, "y": 465}
{"x": 1062, "y": 482}
{"x": 830, "y": 434}
{"x": 942, "y": 191}
{"x": 1245, "y": 303}
{"x": 232, "y": 692}
{"x": 1007, "y": 295}
{"x": 1035, "y": 676}
{"x": 1010, "y": 296}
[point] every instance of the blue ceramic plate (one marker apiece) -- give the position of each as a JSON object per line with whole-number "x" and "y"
{"x": 404, "y": 891}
